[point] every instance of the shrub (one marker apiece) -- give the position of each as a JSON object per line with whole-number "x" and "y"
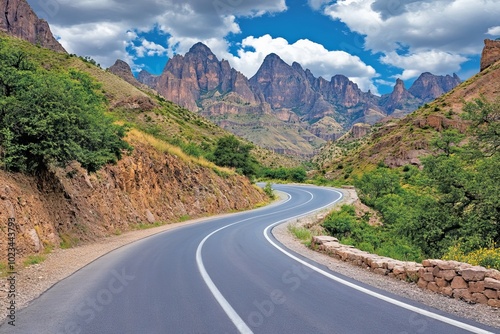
{"x": 52, "y": 118}
{"x": 488, "y": 257}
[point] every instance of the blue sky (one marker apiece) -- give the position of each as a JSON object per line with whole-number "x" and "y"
{"x": 373, "y": 42}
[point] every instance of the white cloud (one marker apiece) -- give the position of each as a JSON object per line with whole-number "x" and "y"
{"x": 494, "y": 31}
{"x": 147, "y": 48}
{"x": 423, "y": 29}
{"x": 102, "y": 29}
{"x": 436, "y": 62}
{"x": 318, "y": 4}
{"x": 312, "y": 56}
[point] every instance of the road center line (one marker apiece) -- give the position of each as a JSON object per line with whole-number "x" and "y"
{"x": 409, "y": 307}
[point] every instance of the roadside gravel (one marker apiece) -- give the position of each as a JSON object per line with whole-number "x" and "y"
{"x": 33, "y": 281}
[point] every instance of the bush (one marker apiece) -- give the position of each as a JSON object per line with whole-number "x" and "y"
{"x": 297, "y": 174}
{"x": 230, "y": 152}
{"x": 486, "y": 257}
{"x": 49, "y": 118}
{"x": 341, "y": 223}
{"x": 268, "y": 189}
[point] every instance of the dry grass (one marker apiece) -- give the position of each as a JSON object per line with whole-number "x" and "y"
{"x": 164, "y": 147}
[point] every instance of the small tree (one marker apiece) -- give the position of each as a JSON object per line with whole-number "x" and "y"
{"x": 52, "y": 118}
{"x": 230, "y": 152}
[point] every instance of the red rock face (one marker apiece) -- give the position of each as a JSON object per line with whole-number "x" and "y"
{"x": 429, "y": 87}
{"x": 201, "y": 83}
{"x": 199, "y": 74}
{"x": 20, "y": 21}
{"x": 491, "y": 53}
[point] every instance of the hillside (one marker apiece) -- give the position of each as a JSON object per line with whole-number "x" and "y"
{"x": 432, "y": 177}
{"x": 399, "y": 142}
{"x": 156, "y": 182}
{"x": 282, "y": 107}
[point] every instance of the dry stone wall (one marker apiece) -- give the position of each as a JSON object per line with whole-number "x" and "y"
{"x": 472, "y": 284}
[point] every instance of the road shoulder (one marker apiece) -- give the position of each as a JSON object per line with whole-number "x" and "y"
{"x": 477, "y": 312}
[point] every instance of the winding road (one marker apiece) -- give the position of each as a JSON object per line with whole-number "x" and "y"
{"x": 226, "y": 275}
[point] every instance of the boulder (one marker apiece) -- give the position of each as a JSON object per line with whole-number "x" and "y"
{"x": 458, "y": 283}
{"x": 492, "y": 283}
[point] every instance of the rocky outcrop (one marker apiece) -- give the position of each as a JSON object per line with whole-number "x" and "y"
{"x": 19, "y": 20}
{"x": 67, "y": 206}
{"x": 123, "y": 70}
{"x": 398, "y": 99}
{"x": 429, "y": 87}
{"x": 360, "y": 130}
{"x": 490, "y": 54}
{"x": 472, "y": 284}
{"x": 186, "y": 80}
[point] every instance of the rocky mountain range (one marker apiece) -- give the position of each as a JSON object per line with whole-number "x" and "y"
{"x": 401, "y": 142}
{"x": 20, "y": 20}
{"x": 283, "y": 107}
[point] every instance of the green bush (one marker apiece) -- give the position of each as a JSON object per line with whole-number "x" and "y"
{"x": 52, "y": 118}
{"x": 297, "y": 174}
{"x": 230, "y": 152}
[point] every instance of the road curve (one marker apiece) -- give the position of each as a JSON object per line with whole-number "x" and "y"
{"x": 226, "y": 275}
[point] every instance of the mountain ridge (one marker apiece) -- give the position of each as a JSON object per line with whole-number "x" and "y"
{"x": 401, "y": 142}
{"x": 312, "y": 110}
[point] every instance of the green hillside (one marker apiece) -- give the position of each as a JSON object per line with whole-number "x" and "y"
{"x": 433, "y": 176}
{"x": 118, "y": 102}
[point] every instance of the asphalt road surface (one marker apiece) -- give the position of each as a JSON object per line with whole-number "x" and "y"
{"x": 226, "y": 275}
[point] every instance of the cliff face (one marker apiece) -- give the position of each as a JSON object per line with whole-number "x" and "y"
{"x": 67, "y": 205}
{"x": 199, "y": 74}
{"x": 429, "y": 87}
{"x": 491, "y": 53}
{"x": 19, "y": 20}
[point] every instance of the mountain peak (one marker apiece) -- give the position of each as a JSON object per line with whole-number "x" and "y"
{"x": 200, "y": 48}
{"x": 399, "y": 84}
{"x": 123, "y": 70}
{"x": 429, "y": 86}
{"x": 273, "y": 58}
{"x": 19, "y": 20}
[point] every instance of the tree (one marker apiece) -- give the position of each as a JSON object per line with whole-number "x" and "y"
{"x": 485, "y": 118}
{"x": 230, "y": 152}
{"x": 52, "y": 118}
{"x": 447, "y": 141}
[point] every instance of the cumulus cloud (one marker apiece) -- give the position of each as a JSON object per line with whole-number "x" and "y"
{"x": 312, "y": 56}
{"x": 423, "y": 29}
{"x": 101, "y": 28}
{"x": 494, "y": 31}
{"x": 436, "y": 62}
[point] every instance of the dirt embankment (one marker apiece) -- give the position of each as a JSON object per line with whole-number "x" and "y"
{"x": 69, "y": 206}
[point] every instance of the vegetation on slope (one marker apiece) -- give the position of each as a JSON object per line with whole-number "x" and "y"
{"x": 450, "y": 208}
{"x": 52, "y": 118}
{"x": 58, "y": 107}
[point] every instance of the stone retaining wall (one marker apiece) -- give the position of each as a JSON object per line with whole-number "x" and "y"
{"x": 473, "y": 284}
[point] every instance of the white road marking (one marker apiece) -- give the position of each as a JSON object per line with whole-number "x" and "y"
{"x": 415, "y": 309}
{"x": 231, "y": 313}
